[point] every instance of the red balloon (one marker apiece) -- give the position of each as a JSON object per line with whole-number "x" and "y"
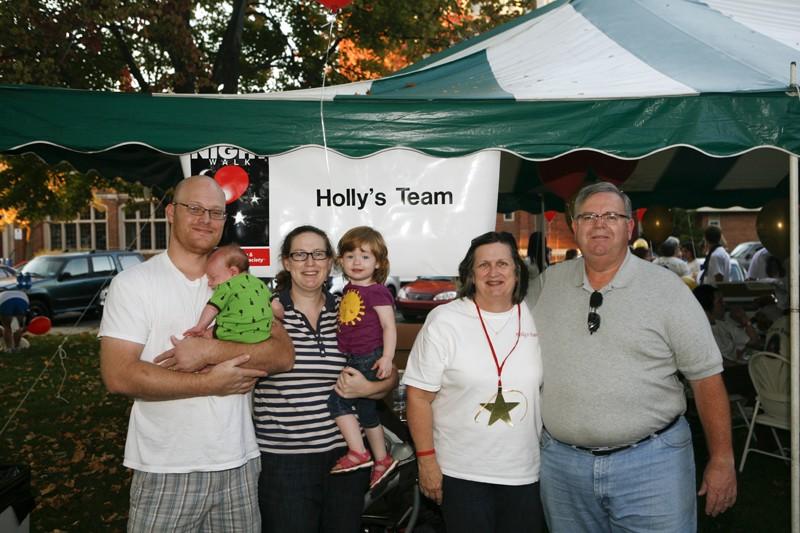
{"x": 39, "y": 325}
{"x": 335, "y": 5}
{"x": 566, "y": 175}
{"x": 234, "y": 181}
{"x": 549, "y": 215}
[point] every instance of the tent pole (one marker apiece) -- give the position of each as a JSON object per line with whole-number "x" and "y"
{"x": 543, "y": 221}
{"x": 794, "y": 336}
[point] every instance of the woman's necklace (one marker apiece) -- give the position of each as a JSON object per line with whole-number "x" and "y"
{"x": 497, "y": 326}
{"x": 497, "y": 406}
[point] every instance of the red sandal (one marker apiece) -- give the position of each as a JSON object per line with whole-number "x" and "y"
{"x": 381, "y": 470}
{"x": 351, "y": 461}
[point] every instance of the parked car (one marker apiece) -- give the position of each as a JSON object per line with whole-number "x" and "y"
{"x": 70, "y": 282}
{"x": 338, "y": 282}
{"x": 744, "y": 253}
{"x": 8, "y": 276}
{"x": 737, "y": 273}
{"x": 416, "y": 299}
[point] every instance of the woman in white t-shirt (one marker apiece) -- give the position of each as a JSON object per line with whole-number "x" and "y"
{"x": 473, "y": 380}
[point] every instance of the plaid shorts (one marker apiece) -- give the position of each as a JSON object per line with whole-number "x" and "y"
{"x": 226, "y": 500}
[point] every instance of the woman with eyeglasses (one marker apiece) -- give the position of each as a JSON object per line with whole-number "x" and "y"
{"x": 472, "y": 384}
{"x": 299, "y": 441}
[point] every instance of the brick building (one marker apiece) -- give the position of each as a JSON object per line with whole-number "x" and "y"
{"x": 521, "y": 224}
{"x": 737, "y": 224}
{"x": 113, "y": 221}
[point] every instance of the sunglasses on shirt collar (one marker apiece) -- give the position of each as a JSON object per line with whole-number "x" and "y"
{"x": 593, "y": 320}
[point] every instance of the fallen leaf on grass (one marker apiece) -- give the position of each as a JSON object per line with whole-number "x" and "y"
{"x": 79, "y": 455}
{"x": 47, "y": 489}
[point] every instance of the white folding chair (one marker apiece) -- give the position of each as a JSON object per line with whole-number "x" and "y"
{"x": 740, "y": 403}
{"x": 770, "y": 375}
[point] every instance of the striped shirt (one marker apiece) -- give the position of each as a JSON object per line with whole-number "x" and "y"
{"x": 290, "y": 409}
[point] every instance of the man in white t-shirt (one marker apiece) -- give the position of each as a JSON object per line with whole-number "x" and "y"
{"x": 717, "y": 267}
{"x": 758, "y": 265}
{"x": 733, "y": 334}
{"x": 191, "y": 441}
{"x": 668, "y": 257}
{"x": 689, "y": 255}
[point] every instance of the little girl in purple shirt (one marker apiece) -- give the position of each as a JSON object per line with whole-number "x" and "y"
{"x": 367, "y": 335}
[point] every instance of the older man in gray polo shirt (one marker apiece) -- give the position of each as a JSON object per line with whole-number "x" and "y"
{"x": 615, "y": 331}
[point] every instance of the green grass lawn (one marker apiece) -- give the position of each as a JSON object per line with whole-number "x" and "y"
{"x": 75, "y": 449}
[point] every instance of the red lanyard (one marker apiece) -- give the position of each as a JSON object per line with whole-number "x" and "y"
{"x": 497, "y": 363}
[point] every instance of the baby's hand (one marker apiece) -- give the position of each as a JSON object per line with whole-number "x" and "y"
{"x": 384, "y": 367}
{"x": 196, "y": 331}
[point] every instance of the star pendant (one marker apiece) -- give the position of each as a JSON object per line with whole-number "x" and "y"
{"x": 500, "y": 409}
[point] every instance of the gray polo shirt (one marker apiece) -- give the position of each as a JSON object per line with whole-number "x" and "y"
{"x": 620, "y": 384}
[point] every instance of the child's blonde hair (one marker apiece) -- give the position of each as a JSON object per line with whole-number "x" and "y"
{"x": 360, "y": 236}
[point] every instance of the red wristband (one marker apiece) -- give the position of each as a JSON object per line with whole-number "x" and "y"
{"x": 423, "y": 453}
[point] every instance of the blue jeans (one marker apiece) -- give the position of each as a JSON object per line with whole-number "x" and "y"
{"x": 367, "y": 409}
{"x": 648, "y": 487}
{"x": 297, "y": 494}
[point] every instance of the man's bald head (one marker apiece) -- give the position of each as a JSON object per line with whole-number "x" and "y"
{"x": 197, "y": 233}
{"x": 188, "y": 184}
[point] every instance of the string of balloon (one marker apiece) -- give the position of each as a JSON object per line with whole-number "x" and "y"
{"x": 335, "y": 6}
{"x": 331, "y": 23}
{"x": 61, "y": 352}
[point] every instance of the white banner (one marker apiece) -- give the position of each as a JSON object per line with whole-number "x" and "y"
{"x": 428, "y": 209}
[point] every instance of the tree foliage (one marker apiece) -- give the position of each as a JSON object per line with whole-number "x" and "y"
{"x": 207, "y": 46}
{"x": 32, "y": 190}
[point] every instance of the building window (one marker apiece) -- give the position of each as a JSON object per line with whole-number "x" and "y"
{"x": 87, "y": 232}
{"x": 145, "y": 227}
{"x": 713, "y": 220}
{"x": 508, "y": 217}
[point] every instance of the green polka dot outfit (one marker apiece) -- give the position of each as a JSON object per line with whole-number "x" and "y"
{"x": 245, "y": 314}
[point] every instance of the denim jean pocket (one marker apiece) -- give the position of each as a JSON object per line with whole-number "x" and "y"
{"x": 545, "y": 440}
{"x": 364, "y": 363}
{"x": 678, "y": 437}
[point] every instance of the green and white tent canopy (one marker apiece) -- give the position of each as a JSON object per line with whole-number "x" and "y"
{"x": 684, "y": 102}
